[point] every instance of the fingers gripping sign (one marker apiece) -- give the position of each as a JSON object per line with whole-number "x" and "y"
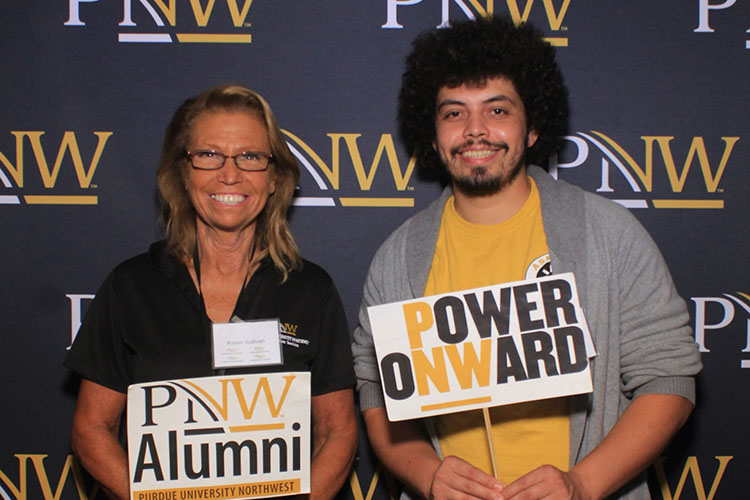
{"x": 548, "y": 483}
{"x": 458, "y": 479}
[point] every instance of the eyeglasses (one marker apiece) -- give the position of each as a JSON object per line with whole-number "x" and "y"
{"x": 249, "y": 161}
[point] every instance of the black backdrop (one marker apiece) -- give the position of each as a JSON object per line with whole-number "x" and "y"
{"x": 659, "y": 92}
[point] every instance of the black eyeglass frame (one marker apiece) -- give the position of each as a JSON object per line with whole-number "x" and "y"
{"x": 267, "y": 156}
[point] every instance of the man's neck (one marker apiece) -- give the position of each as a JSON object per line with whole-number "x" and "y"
{"x": 497, "y": 207}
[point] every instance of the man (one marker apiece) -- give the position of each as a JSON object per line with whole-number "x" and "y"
{"x": 480, "y": 102}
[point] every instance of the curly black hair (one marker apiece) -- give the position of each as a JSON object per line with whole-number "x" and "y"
{"x": 470, "y": 52}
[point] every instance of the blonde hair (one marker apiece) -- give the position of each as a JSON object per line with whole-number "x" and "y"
{"x": 272, "y": 235}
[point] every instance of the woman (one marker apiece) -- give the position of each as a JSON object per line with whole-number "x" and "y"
{"x": 225, "y": 179}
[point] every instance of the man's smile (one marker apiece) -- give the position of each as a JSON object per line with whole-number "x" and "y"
{"x": 477, "y": 150}
{"x": 478, "y": 154}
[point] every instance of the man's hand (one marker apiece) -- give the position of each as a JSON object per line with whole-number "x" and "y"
{"x": 546, "y": 482}
{"x": 457, "y": 479}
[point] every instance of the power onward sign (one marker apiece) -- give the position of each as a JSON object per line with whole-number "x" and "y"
{"x": 490, "y": 346}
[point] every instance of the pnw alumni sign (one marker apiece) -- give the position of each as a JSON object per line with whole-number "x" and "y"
{"x": 229, "y": 437}
{"x": 484, "y": 347}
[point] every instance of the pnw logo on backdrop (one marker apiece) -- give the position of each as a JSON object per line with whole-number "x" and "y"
{"x": 663, "y": 172}
{"x": 719, "y": 12}
{"x": 42, "y": 168}
{"x": 723, "y": 321}
{"x": 168, "y": 21}
{"x": 361, "y": 170}
{"x": 545, "y": 14}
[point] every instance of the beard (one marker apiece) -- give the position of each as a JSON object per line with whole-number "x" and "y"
{"x": 479, "y": 182}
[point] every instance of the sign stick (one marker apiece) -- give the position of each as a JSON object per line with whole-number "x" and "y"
{"x": 488, "y": 428}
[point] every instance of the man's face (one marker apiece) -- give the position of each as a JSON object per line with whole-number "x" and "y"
{"x": 481, "y": 135}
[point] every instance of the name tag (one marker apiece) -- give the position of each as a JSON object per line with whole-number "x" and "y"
{"x": 248, "y": 343}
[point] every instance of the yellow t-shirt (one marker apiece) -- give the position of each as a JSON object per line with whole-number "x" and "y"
{"x": 525, "y": 435}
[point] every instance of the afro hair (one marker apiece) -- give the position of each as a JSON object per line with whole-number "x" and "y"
{"x": 471, "y": 52}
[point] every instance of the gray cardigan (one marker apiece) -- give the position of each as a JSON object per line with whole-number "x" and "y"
{"x": 638, "y": 322}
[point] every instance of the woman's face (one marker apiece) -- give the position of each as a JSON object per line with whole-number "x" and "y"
{"x": 229, "y": 199}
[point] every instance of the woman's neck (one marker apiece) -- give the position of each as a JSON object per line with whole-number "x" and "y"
{"x": 225, "y": 268}
{"x": 225, "y": 252}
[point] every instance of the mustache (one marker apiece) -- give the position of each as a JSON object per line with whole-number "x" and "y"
{"x": 482, "y": 142}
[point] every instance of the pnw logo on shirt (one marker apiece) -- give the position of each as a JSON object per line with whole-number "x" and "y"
{"x": 289, "y": 335}
{"x": 539, "y": 268}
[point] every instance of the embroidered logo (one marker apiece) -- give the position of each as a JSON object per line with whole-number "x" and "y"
{"x": 289, "y": 335}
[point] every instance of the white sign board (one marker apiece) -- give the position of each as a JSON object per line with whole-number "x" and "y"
{"x": 243, "y": 436}
{"x": 490, "y": 346}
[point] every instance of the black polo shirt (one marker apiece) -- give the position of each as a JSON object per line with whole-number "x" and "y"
{"x": 148, "y": 323}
